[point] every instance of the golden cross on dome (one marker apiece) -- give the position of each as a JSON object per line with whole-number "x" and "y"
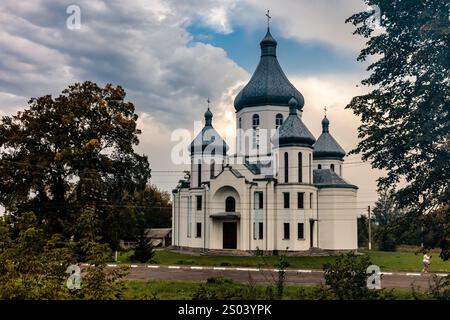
{"x": 325, "y": 109}
{"x": 208, "y": 101}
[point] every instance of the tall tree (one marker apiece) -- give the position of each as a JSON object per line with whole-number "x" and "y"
{"x": 405, "y": 118}
{"x": 62, "y": 156}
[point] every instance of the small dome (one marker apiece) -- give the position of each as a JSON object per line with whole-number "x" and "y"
{"x": 208, "y": 137}
{"x": 208, "y": 118}
{"x": 293, "y": 131}
{"x": 326, "y": 146}
{"x": 293, "y": 105}
{"x": 325, "y": 124}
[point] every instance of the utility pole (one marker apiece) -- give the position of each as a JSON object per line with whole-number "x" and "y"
{"x": 370, "y": 228}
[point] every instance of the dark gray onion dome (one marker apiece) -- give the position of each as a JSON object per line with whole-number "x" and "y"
{"x": 210, "y": 138}
{"x": 326, "y": 178}
{"x": 293, "y": 131}
{"x": 326, "y": 146}
{"x": 268, "y": 85}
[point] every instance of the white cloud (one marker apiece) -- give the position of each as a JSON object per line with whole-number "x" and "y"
{"x": 301, "y": 20}
{"x": 145, "y": 47}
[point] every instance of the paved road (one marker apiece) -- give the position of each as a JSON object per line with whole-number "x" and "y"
{"x": 401, "y": 280}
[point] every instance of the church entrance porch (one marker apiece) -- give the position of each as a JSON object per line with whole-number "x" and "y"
{"x": 229, "y": 235}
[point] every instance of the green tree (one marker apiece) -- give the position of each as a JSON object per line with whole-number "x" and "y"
{"x": 346, "y": 278}
{"x": 63, "y": 155}
{"x": 405, "y": 117}
{"x": 385, "y": 215}
{"x": 363, "y": 231}
{"x": 34, "y": 267}
{"x": 155, "y": 206}
{"x": 143, "y": 250}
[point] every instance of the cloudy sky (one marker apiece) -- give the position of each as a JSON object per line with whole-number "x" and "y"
{"x": 171, "y": 55}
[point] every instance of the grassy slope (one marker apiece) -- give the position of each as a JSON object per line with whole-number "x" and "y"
{"x": 173, "y": 290}
{"x": 387, "y": 261}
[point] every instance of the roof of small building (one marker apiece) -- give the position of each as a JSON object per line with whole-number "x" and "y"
{"x": 326, "y": 146}
{"x": 293, "y": 131}
{"x": 157, "y": 232}
{"x": 326, "y": 178}
{"x": 268, "y": 85}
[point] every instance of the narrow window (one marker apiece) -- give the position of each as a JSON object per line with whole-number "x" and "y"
{"x": 300, "y": 167}
{"x": 198, "y": 202}
{"x": 260, "y": 229}
{"x": 240, "y": 123}
{"x": 286, "y": 233}
{"x": 199, "y": 174}
{"x": 340, "y": 170}
{"x": 254, "y": 230}
{"x": 300, "y": 200}
{"x": 301, "y": 230}
{"x": 211, "y": 171}
{"x": 255, "y": 126}
{"x": 332, "y": 167}
{"x": 310, "y": 200}
{"x": 286, "y": 167}
{"x": 309, "y": 166}
{"x": 255, "y": 121}
{"x": 286, "y": 200}
{"x": 198, "y": 233}
{"x": 259, "y": 203}
{"x": 278, "y": 120}
{"x": 319, "y": 166}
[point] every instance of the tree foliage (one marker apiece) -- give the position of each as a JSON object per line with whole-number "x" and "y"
{"x": 64, "y": 155}
{"x": 34, "y": 267}
{"x": 363, "y": 231}
{"x": 405, "y": 117}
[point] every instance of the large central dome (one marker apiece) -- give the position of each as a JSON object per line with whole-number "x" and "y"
{"x": 268, "y": 85}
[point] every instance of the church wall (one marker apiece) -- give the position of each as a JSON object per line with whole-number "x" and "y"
{"x": 267, "y": 116}
{"x": 293, "y": 215}
{"x": 325, "y": 163}
{"x": 337, "y": 218}
{"x": 206, "y": 162}
{"x": 293, "y": 164}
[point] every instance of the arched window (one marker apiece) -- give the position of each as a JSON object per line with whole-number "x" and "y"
{"x": 255, "y": 126}
{"x": 199, "y": 174}
{"x": 211, "y": 169}
{"x": 286, "y": 167}
{"x": 309, "y": 166}
{"x": 300, "y": 167}
{"x": 230, "y": 204}
{"x": 332, "y": 167}
{"x": 319, "y": 166}
{"x": 278, "y": 120}
{"x": 255, "y": 121}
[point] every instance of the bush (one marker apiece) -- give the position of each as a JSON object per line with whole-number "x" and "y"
{"x": 346, "y": 278}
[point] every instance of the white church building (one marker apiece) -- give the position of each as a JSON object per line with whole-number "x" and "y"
{"x": 283, "y": 189}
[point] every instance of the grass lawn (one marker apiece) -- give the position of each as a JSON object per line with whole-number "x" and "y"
{"x": 387, "y": 261}
{"x": 173, "y": 290}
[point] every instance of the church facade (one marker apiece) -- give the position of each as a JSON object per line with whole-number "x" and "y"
{"x": 282, "y": 190}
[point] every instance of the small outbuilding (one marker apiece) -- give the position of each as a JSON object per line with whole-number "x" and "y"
{"x": 159, "y": 237}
